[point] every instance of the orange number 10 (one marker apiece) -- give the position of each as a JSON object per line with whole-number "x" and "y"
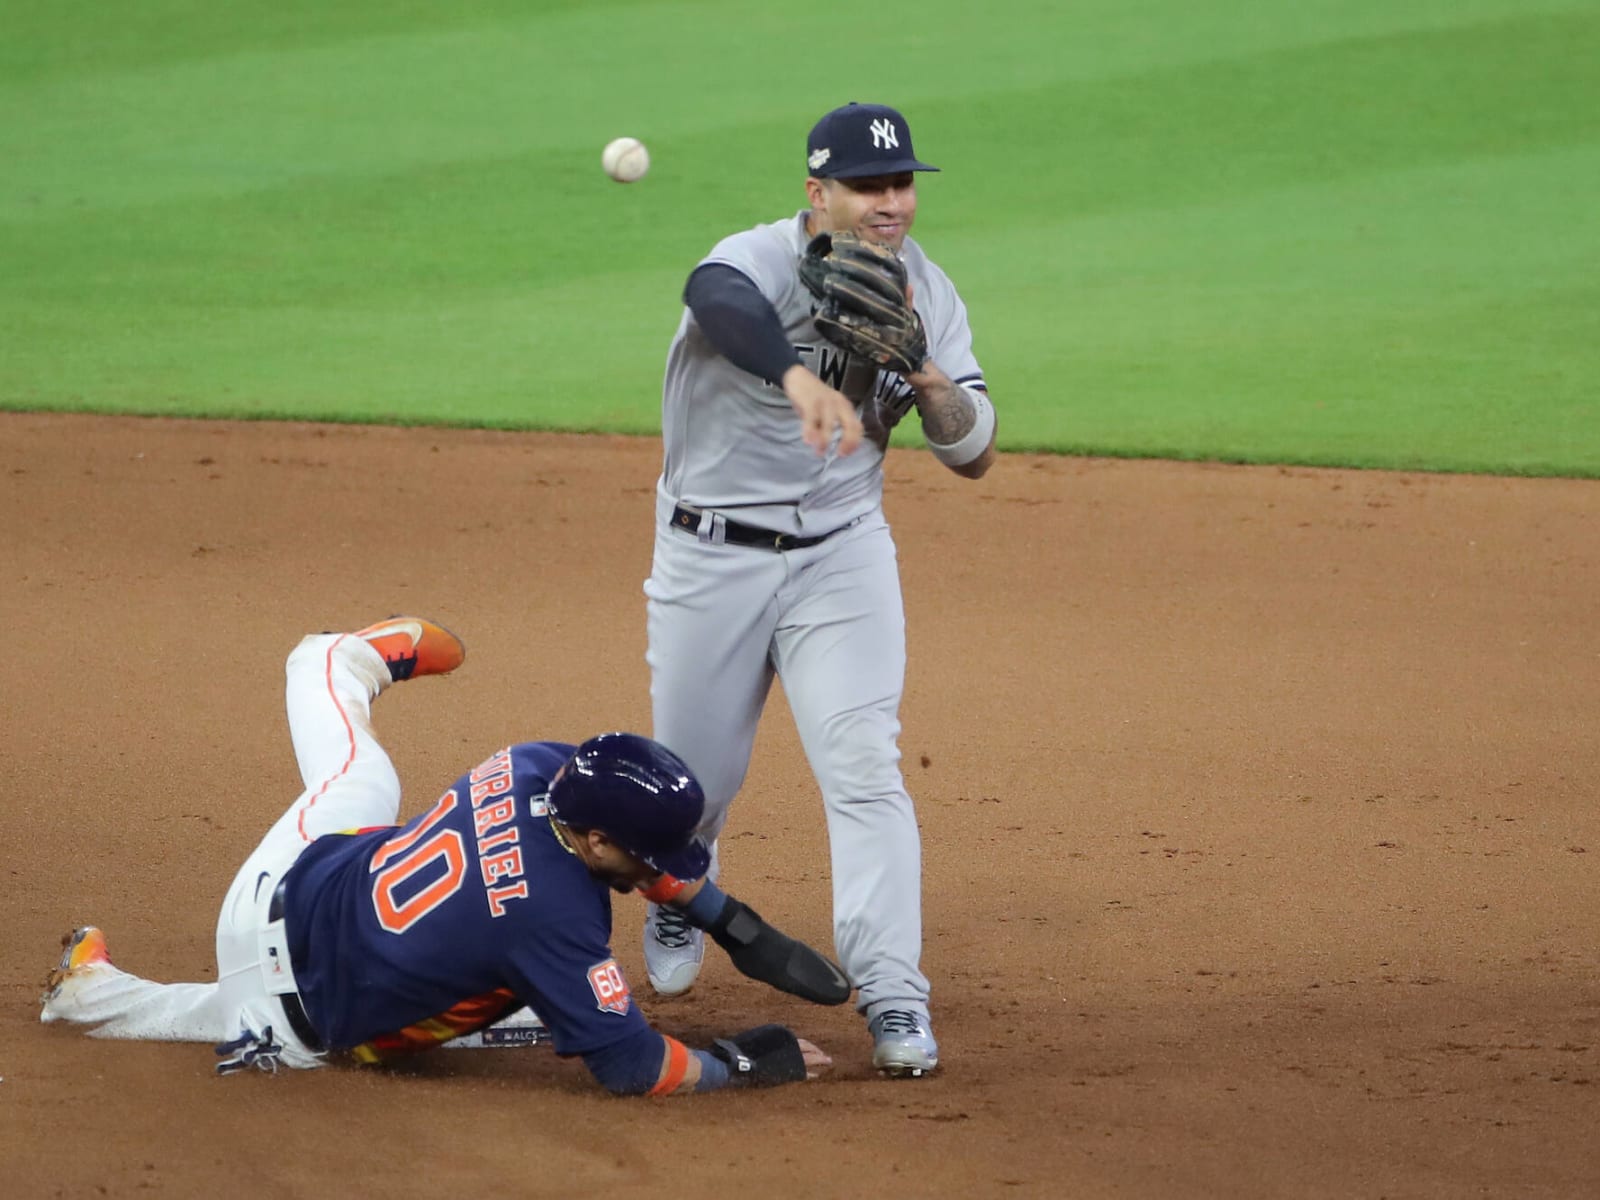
{"x": 402, "y": 857}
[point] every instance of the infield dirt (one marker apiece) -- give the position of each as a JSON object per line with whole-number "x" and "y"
{"x": 1259, "y": 814}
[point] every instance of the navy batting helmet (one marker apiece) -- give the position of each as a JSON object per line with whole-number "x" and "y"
{"x": 641, "y": 796}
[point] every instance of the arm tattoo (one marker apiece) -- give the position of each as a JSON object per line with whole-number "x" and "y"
{"x": 947, "y": 412}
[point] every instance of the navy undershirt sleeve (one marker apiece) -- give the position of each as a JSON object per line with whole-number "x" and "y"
{"x": 629, "y": 1067}
{"x": 739, "y": 321}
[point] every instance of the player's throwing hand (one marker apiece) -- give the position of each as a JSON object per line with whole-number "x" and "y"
{"x": 822, "y": 410}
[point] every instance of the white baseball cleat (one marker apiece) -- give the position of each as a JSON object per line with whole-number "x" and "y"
{"x": 902, "y": 1044}
{"x": 673, "y": 950}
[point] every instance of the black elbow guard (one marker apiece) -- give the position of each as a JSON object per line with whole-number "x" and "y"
{"x": 775, "y": 958}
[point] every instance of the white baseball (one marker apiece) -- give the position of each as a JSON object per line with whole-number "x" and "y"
{"x": 625, "y": 159}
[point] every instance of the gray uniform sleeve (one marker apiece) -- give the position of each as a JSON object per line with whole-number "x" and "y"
{"x": 949, "y": 335}
{"x": 767, "y": 260}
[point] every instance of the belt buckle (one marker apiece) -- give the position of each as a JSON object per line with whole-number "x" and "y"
{"x": 783, "y": 541}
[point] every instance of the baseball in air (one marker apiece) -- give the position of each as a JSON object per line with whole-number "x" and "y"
{"x": 625, "y": 159}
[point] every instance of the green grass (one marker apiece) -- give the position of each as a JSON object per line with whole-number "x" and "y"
{"x": 1341, "y": 231}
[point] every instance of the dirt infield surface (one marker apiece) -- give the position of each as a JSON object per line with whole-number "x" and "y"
{"x": 1260, "y": 808}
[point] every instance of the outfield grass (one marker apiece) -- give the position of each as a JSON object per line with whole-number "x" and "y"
{"x": 1339, "y": 231}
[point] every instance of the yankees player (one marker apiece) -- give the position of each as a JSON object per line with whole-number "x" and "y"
{"x": 773, "y": 556}
{"x": 346, "y": 934}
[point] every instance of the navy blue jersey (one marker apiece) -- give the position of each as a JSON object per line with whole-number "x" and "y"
{"x": 410, "y": 935}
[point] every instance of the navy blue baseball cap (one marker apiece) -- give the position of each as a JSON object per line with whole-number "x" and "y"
{"x": 640, "y": 795}
{"x": 860, "y": 140}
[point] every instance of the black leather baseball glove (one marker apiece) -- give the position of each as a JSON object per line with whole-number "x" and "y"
{"x": 860, "y": 288}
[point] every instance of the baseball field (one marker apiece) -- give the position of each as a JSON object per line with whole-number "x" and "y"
{"x": 1253, "y": 697}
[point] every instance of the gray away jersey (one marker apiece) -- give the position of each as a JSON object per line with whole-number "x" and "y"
{"x": 733, "y": 441}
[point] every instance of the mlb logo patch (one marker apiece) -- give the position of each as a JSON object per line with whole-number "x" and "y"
{"x": 610, "y": 988}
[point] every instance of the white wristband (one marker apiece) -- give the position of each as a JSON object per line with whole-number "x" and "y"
{"x": 959, "y": 454}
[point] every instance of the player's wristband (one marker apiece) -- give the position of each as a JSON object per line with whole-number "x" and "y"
{"x": 713, "y": 1072}
{"x": 706, "y": 906}
{"x": 959, "y": 454}
{"x": 677, "y": 1067}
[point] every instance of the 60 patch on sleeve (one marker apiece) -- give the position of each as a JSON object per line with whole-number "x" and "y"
{"x": 610, "y": 987}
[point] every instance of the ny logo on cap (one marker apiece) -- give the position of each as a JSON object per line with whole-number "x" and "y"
{"x": 883, "y": 135}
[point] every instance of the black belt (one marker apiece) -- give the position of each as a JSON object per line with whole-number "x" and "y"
{"x": 736, "y": 533}
{"x": 293, "y": 1009}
